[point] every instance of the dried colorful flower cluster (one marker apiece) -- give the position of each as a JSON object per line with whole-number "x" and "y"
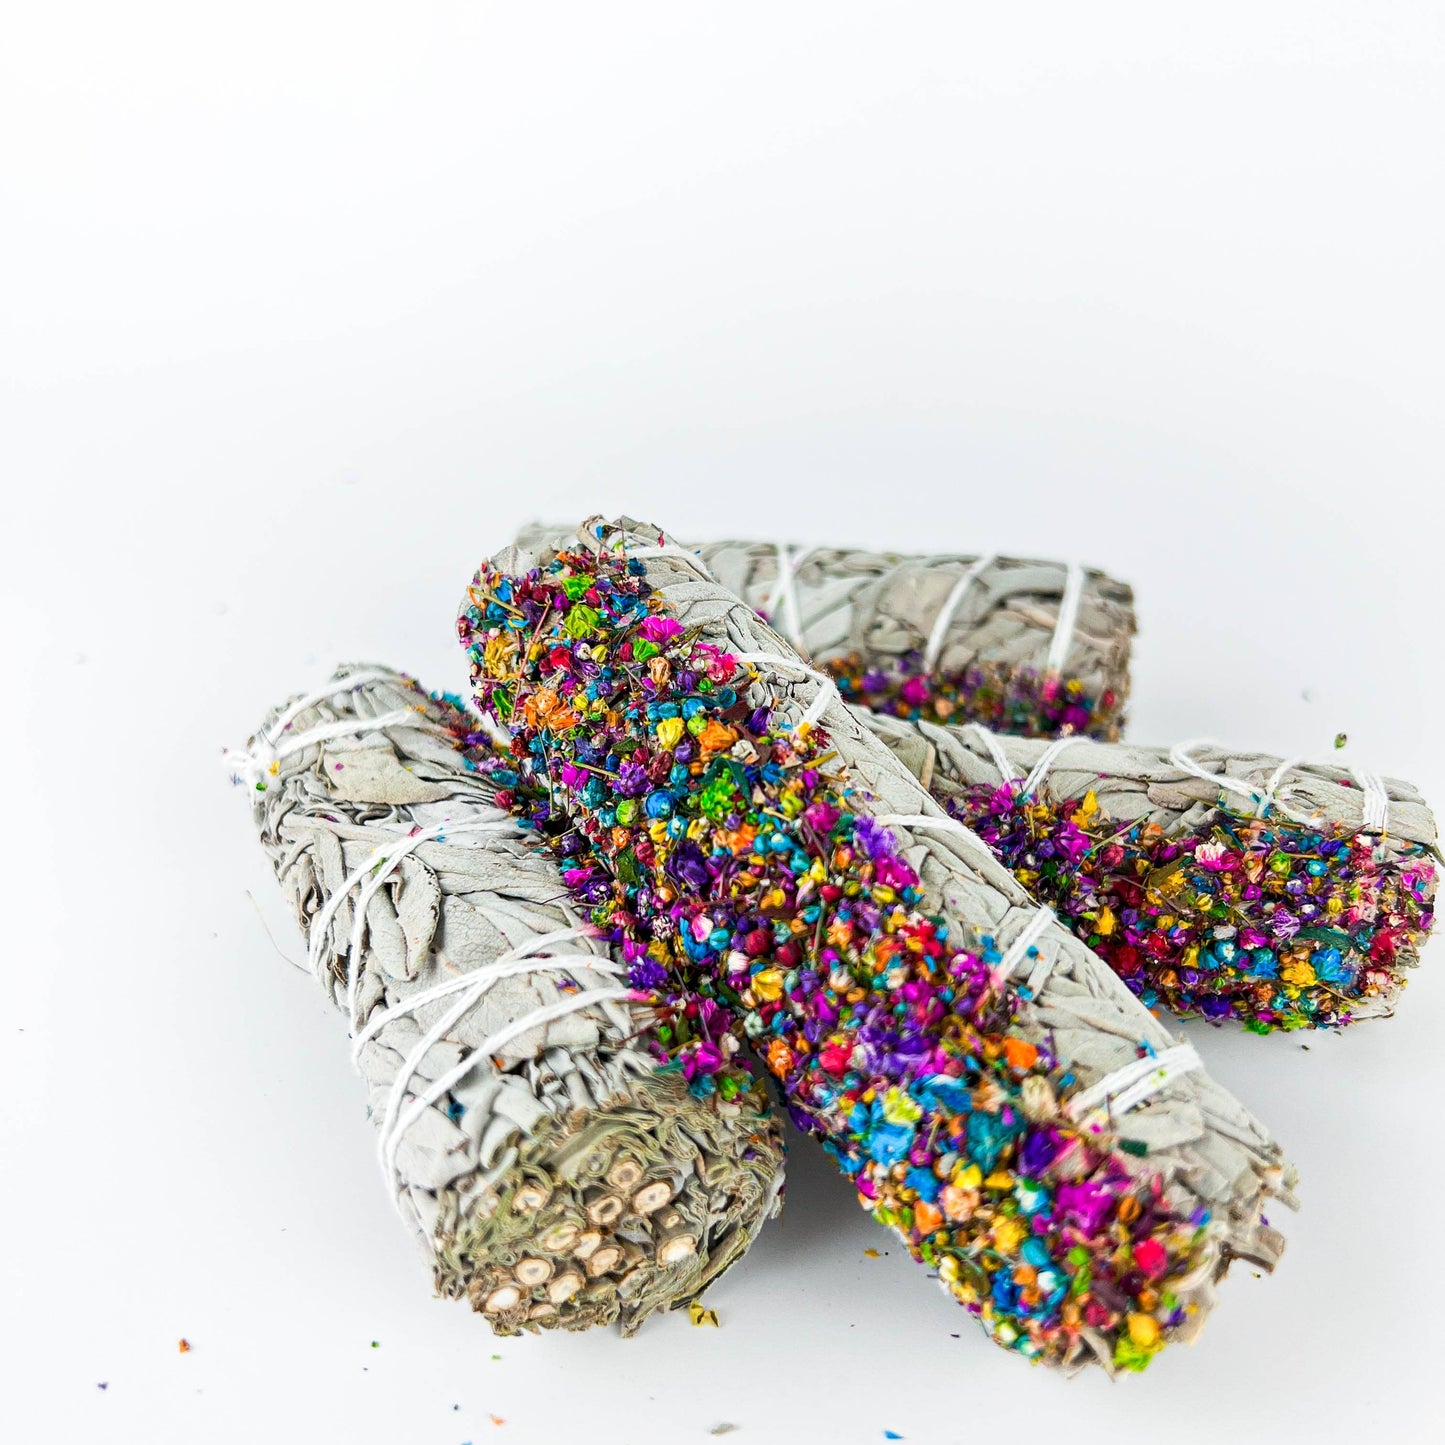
{"x": 713, "y": 843}
{"x": 683, "y": 1023}
{"x": 1262, "y": 920}
{"x": 1005, "y": 699}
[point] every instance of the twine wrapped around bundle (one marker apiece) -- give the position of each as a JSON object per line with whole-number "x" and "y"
{"x": 1284, "y": 893}
{"x": 994, "y": 1091}
{"x": 1036, "y": 648}
{"x": 552, "y": 1174}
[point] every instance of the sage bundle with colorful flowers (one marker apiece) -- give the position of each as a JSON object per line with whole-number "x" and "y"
{"x": 1029, "y": 647}
{"x": 992, "y": 1090}
{"x": 538, "y": 1139}
{"x": 1278, "y": 892}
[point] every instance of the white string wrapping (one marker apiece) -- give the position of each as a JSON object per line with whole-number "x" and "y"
{"x": 939, "y": 633}
{"x": 369, "y": 891}
{"x": 1270, "y": 796}
{"x": 1039, "y": 974}
{"x": 680, "y": 554}
{"x": 262, "y": 760}
{"x": 1047, "y": 758}
{"x": 475, "y": 985}
{"x": 1038, "y": 924}
{"x": 1259, "y": 798}
{"x": 522, "y": 956}
{"x": 382, "y": 863}
{"x": 1375, "y": 804}
{"x": 347, "y": 683}
{"x": 1377, "y": 799}
{"x": 1128, "y": 1087}
{"x": 387, "y": 857}
{"x": 1006, "y": 770}
{"x": 391, "y": 1141}
{"x": 783, "y": 603}
{"x": 827, "y": 688}
{"x": 252, "y": 766}
{"x": 1067, "y": 620}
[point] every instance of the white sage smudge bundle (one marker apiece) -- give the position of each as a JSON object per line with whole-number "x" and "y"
{"x": 1037, "y": 648}
{"x": 1280, "y": 892}
{"x": 554, "y": 1175}
{"x": 990, "y": 1086}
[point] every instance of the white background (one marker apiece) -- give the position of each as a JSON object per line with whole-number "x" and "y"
{"x": 307, "y": 306}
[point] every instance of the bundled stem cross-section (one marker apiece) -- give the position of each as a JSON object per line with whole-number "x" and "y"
{"x": 1283, "y": 893}
{"x": 1037, "y": 648}
{"x": 554, "y": 1176}
{"x": 992, "y": 1089}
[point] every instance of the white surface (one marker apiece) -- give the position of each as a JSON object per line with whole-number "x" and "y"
{"x": 307, "y": 306}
